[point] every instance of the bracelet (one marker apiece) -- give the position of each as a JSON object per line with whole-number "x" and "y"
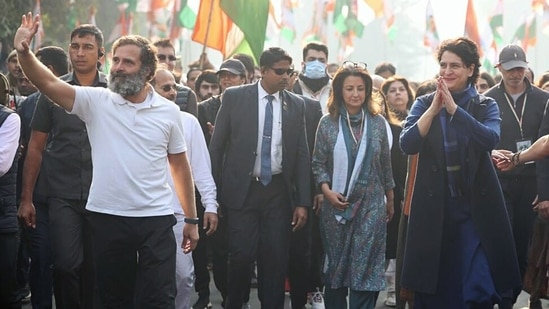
{"x": 191, "y": 220}
{"x": 515, "y": 159}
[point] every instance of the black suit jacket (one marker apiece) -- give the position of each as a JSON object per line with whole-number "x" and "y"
{"x": 313, "y": 113}
{"x": 234, "y": 144}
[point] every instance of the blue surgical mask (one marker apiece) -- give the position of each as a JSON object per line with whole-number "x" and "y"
{"x": 315, "y": 69}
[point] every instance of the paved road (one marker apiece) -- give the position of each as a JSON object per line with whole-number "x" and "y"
{"x": 215, "y": 299}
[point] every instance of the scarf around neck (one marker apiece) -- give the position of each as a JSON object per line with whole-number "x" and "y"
{"x": 314, "y": 84}
{"x": 349, "y": 159}
{"x": 455, "y": 144}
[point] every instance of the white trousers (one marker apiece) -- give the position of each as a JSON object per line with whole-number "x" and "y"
{"x": 184, "y": 269}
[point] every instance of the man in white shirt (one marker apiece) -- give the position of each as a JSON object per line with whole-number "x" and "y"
{"x": 134, "y": 133}
{"x": 199, "y": 159}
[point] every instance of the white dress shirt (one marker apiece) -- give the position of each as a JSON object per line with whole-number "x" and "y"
{"x": 199, "y": 160}
{"x": 276, "y": 139}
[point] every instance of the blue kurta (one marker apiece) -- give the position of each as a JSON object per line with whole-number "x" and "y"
{"x": 355, "y": 251}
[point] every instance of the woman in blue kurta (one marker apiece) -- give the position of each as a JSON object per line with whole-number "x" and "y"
{"x": 459, "y": 249}
{"x": 352, "y": 167}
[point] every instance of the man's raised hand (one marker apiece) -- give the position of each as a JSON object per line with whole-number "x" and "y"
{"x": 25, "y": 33}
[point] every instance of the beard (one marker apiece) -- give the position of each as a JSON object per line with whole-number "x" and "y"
{"x": 127, "y": 84}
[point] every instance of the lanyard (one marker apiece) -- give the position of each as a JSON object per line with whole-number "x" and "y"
{"x": 519, "y": 120}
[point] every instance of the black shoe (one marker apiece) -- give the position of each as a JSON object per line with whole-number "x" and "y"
{"x": 203, "y": 303}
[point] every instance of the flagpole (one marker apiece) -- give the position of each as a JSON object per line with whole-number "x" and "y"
{"x": 207, "y": 34}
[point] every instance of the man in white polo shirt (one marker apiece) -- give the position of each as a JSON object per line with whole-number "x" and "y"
{"x": 134, "y": 133}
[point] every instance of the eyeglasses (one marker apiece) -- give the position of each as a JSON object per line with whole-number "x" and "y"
{"x": 163, "y": 57}
{"x": 167, "y": 88}
{"x": 354, "y": 65}
{"x": 282, "y": 71}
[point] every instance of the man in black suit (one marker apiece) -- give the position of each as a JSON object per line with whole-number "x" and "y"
{"x": 260, "y": 162}
{"x": 305, "y": 265}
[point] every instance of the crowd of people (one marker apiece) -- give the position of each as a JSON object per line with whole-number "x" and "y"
{"x": 124, "y": 190}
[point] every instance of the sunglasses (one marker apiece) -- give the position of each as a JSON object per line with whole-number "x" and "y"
{"x": 163, "y": 57}
{"x": 167, "y": 88}
{"x": 354, "y": 65}
{"x": 289, "y": 71}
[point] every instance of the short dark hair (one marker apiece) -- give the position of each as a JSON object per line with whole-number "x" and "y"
{"x": 321, "y": 47}
{"x": 385, "y": 66}
{"x": 465, "y": 49}
{"x": 89, "y": 29}
{"x": 209, "y": 76}
{"x": 247, "y": 61}
{"x": 148, "y": 51}
{"x": 273, "y": 55}
{"x": 164, "y": 43}
{"x": 192, "y": 69}
{"x": 488, "y": 78}
{"x": 426, "y": 87}
{"x": 56, "y": 57}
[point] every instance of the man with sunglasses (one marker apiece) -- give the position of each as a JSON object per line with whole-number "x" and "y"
{"x": 199, "y": 159}
{"x": 186, "y": 97}
{"x": 260, "y": 162}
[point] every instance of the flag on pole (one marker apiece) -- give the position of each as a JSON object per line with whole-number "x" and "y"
{"x": 287, "y": 26}
{"x": 251, "y": 18}
{"x": 224, "y": 25}
{"x": 124, "y": 24}
{"x": 72, "y": 17}
{"x": 186, "y": 15}
{"x": 175, "y": 27}
{"x": 37, "y": 41}
{"x": 319, "y": 21}
{"x": 471, "y": 26}
{"x": 526, "y": 33}
{"x": 496, "y": 23}
{"x": 430, "y": 38}
{"x": 542, "y": 7}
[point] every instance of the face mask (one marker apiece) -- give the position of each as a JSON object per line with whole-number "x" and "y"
{"x": 315, "y": 69}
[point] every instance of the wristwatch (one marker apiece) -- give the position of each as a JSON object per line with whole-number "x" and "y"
{"x": 190, "y": 220}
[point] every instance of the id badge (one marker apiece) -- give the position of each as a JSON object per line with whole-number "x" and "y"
{"x": 522, "y": 145}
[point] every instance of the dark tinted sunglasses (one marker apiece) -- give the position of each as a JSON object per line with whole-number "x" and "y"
{"x": 282, "y": 71}
{"x": 163, "y": 57}
{"x": 167, "y": 88}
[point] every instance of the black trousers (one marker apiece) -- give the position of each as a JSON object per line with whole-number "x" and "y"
{"x": 41, "y": 268}
{"x": 260, "y": 231}
{"x": 73, "y": 268}
{"x": 299, "y": 264}
{"x": 8, "y": 268}
{"x": 519, "y": 193}
{"x": 135, "y": 259}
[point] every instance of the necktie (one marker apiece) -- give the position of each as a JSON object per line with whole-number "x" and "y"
{"x": 265, "y": 174}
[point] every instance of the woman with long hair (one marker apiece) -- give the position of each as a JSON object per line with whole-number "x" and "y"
{"x": 351, "y": 165}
